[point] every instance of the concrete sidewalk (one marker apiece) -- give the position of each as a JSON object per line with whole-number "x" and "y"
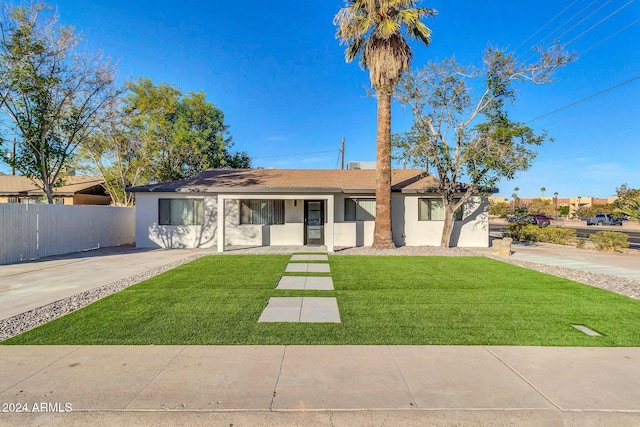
{"x": 614, "y": 264}
{"x": 332, "y": 385}
{"x": 621, "y": 265}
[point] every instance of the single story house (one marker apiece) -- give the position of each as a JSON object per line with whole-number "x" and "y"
{"x": 336, "y": 208}
{"x": 77, "y": 190}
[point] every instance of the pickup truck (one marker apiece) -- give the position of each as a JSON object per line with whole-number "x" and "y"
{"x": 604, "y": 219}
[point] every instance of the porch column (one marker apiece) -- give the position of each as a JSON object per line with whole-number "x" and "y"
{"x": 330, "y": 222}
{"x": 220, "y": 218}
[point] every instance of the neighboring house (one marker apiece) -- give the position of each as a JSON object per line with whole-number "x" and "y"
{"x": 77, "y": 190}
{"x": 336, "y": 208}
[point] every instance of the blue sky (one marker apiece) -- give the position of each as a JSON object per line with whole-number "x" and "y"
{"x": 279, "y": 75}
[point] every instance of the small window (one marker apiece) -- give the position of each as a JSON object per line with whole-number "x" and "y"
{"x": 29, "y": 201}
{"x": 58, "y": 201}
{"x": 262, "y": 212}
{"x": 360, "y": 209}
{"x": 433, "y": 210}
{"x": 181, "y": 211}
{"x": 12, "y": 200}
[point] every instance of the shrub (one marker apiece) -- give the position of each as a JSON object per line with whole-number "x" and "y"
{"x": 523, "y": 231}
{"x": 514, "y": 230}
{"x": 580, "y": 243}
{"x": 610, "y": 241}
{"x": 560, "y": 236}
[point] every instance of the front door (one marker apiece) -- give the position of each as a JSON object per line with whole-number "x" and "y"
{"x": 314, "y": 222}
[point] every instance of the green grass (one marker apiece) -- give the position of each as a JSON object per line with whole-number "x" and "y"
{"x": 382, "y": 300}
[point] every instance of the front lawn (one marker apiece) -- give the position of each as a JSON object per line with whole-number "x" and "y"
{"x": 382, "y": 300}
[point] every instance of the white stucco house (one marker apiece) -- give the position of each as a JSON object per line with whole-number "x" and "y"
{"x": 336, "y": 208}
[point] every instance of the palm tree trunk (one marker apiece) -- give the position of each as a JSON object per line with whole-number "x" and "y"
{"x": 382, "y": 236}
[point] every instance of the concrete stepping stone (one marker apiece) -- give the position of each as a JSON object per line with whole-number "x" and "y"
{"x": 303, "y": 267}
{"x": 319, "y": 284}
{"x": 309, "y": 258}
{"x": 291, "y": 282}
{"x": 320, "y": 310}
{"x": 306, "y": 309}
{"x": 279, "y": 309}
{"x": 305, "y": 283}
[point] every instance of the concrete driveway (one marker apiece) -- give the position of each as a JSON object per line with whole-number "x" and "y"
{"x": 29, "y": 285}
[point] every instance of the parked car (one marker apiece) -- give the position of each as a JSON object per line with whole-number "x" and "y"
{"x": 604, "y": 219}
{"x": 540, "y": 220}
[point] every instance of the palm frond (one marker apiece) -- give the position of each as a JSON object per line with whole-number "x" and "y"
{"x": 354, "y": 49}
{"x": 420, "y": 32}
{"x": 373, "y": 31}
{"x": 387, "y": 28}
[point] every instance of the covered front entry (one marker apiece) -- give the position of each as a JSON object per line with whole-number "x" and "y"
{"x": 314, "y": 222}
{"x": 308, "y": 220}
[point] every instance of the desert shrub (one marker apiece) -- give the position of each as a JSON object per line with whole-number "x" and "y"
{"x": 560, "y": 236}
{"x": 580, "y": 243}
{"x": 514, "y": 230}
{"x": 522, "y": 231}
{"x": 610, "y": 241}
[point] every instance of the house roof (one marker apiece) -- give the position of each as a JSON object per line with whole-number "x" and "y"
{"x": 284, "y": 180}
{"x": 17, "y": 185}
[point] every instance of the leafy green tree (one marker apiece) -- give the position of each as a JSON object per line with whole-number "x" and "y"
{"x": 467, "y": 137}
{"x": 114, "y": 153}
{"x": 157, "y": 133}
{"x": 499, "y": 209}
{"x": 541, "y": 206}
{"x": 185, "y": 133}
{"x": 51, "y": 93}
{"x": 628, "y": 202}
{"x": 373, "y": 32}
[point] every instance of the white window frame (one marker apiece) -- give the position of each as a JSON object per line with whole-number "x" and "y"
{"x": 261, "y": 212}
{"x": 192, "y": 213}
{"x": 457, "y": 216}
{"x": 362, "y": 213}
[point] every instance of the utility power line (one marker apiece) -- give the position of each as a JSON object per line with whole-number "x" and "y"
{"x": 567, "y": 22}
{"x": 585, "y": 99}
{"x": 584, "y": 19}
{"x": 612, "y": 35}
{"x": 598, "y": 23}
{"x": 545, "y": 25}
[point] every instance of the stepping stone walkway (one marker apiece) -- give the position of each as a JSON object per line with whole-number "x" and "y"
{"x": 302, "y": 267}
{"x": 310, "y": 258}
{"x": 303, "y": 309}
{"x": 307, "y": 283}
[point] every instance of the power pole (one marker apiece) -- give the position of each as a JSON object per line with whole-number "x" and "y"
{"x": 342, "y": 152}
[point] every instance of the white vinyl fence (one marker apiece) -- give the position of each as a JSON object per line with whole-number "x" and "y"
{"x": 35, "y": 231}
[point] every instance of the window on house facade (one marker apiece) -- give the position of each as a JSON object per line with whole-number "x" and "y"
{"x": 12, "y": 200}
{"x": 262, "y": 212}
{"x": 360, "y": 209}
{"x": 29, "y": 201}
{"x": 181, "y": 211}
{"x": 433, "y": 210}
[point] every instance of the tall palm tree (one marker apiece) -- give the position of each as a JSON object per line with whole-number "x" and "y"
{"x": 373, "y": 32}
{"x": 542, "y": 190}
